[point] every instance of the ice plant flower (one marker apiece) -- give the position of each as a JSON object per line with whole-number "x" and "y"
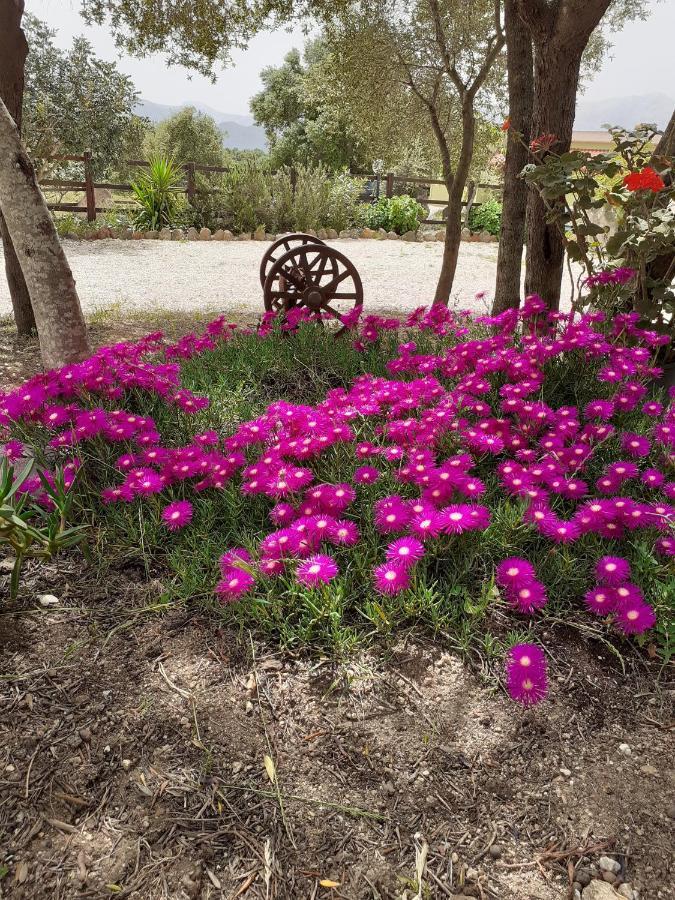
{"x": 405, "y": 551}
{"x": 513, "y": 572}
{"x": 234, "y": 583}
{"x": 526, "y": 674}
{"x": 391, "y": 578}
{"x": 600, "y": 600}
{"x": 177, "y": 514}
{"x": 317, "y": 569}
{"x": 612, "y": 570}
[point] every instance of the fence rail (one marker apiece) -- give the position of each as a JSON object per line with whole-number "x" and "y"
{"x": 89, "y": 186}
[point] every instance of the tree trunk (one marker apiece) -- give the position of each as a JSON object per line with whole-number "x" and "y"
{"x": 664, "y": 265}
{"x": 13, "y": 51}
{"x": 556, "y": 80}
{"x": 455, "y": 185}
{"x": 514, "y": 200}
{"x": 453, "y": 237}
{"x": 60, "y": 323}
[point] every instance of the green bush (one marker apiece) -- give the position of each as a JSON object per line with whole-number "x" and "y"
{"x": 156, "y": 191}
{"x": 248, "y": 196}
{"x": 311, "y": 206}
{"x": 486, "y": 216}
{"x": 400, "y": 214}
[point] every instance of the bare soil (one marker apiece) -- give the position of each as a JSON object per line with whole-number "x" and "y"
{"x": 134, "y": 744}
{"x": 134, "y": 738}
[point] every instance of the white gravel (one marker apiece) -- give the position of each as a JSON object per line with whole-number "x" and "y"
{"x": 222, "y": 276}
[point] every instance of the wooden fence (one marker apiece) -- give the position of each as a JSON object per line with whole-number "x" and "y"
{"x": 89, "y": 186}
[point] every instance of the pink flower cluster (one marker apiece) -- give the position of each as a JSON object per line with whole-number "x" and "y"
{"x": 526, "y": 674}
{"x": 472, "y": 401}
{"x": 614, "y": 593}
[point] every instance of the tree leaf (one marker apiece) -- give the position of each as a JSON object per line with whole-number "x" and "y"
{"x": 270, "y": 768}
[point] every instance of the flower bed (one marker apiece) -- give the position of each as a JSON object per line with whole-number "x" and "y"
{"x": 453, "y": 470}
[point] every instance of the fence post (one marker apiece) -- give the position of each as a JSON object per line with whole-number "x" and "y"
{"x": 378, "y": 185}
{"x": 191, "y": 183}
{"x": 89, "y": 192}
{"x": 390, "y": 184}
{"x": 470, "y": 197}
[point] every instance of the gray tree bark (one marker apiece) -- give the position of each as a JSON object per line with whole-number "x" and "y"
{"x": 13, "y": 51}
{"x": 58, "y": 315}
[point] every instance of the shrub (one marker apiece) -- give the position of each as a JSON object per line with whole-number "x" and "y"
{"x": 577, "y": 185}
{"x": 156, "y": 191}
{"x": 486, "y": 216}
{"x": 400, "y": 213}
{"x": 311, "y": 204}
{"x": 343, "y": 204}
{"x": 248, "y": 195}
{"x": 283, "y": 211}
{"x": 519, "y": 463}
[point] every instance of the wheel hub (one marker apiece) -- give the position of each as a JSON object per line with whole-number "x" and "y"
{"x": 313, "y": 298}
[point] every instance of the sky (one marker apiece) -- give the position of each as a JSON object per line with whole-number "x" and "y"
{"x": 642, "y": 60}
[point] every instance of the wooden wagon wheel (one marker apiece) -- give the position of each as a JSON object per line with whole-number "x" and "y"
{"x": 283, "y": 245}
{"x": 315, "y": 276}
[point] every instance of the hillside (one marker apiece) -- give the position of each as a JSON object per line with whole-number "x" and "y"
{"x": 239, "y": 132}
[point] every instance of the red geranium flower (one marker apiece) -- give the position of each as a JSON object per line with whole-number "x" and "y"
{"x": 543, "y": 142}
{"x": 645, "y": 180}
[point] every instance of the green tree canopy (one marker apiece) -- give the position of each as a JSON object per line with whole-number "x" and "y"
{"x": 188, "y": 135}
{"x": 74, "y": 101}
{"x": 301, "y": 125}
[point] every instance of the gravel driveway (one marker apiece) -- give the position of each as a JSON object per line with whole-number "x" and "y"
{"x": 223, "y": 275}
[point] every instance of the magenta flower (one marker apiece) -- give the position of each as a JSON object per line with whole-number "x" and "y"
{"x": 612, "y": 570}
{"x": 455, "y": 519}
{"x": 527, "y": 596}
{"x": 177, "y": 514}
{"x": 343, "y": 531}
{"x": 366, "y": 475}
{"x": 235, "y": 557}
{"x": 13, "y": 450}
{"x": 392, "y": 514}
{"x": 634, "y": 616}
{"x": 635, "y": 445}
{"x": 526, "y": 674}
{"x": 235, "y": 582}
{"x": 512, "y": 572}
{"x": 391, "y": 578}
{"x": 317, "y": 569}
{"x": 426, "y": 524}
{"x": 601, "y": 600}
{"x": 405, "y": 551}
{"x": 665, "y": 546}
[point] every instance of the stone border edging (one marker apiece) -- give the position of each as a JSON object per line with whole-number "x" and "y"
{"x": 325, "y": 234}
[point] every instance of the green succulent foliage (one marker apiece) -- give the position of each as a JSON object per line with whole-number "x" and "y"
{"x": 156, "y": 191}
{"x": 486, "y": 216}
{"x": 30, "y": 531}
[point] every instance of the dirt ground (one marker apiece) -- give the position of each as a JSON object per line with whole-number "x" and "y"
{"x": 147, "y": 753}
{"x": 154, "y": 755}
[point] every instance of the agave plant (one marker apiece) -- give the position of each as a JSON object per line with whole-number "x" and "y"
{"x": 29, "y": 530}
{"x": 156, "y": 191}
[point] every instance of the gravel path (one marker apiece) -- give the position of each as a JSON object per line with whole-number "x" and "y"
{"x": 223, "y": 276}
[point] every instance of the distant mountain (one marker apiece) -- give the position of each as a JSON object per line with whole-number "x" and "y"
{"x": 626, "y": 112}
{"x": 239, "y": 132}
